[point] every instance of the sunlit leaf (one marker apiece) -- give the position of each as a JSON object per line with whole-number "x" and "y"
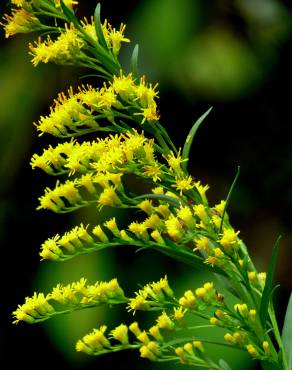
{"x": 134, "y": 62}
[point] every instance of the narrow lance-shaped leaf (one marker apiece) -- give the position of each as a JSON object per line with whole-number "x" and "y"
{"x": 190, "y": 138}
{"x": 269, "y": 282}
{"x": 224, "y": 365}
{"x": 98, "y": 28}
{"x": 287, "y": 334}
{"x": 134, "y": 62}
{"x": 228, "y": 198}
{"x": 69, "y": 14}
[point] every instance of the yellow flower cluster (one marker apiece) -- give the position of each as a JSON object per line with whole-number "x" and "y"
{"x": 20, "y": 21}
{"x": 205, "y": 295}
{"x": 151, "y": 342}
{"x": 89, "y": 109}
{"x": 190, "y": 353}
{"x": 151, "y": 295}
{"x": 69, "y": 47}
{"x": 66, "y": 49}
{"x": 71, "y": 297}
{"x": 113, "y": 37}
{"x": 104, "y": 167}
{"x": 242, "y": 324}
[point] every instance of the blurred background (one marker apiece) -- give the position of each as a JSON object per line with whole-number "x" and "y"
{"x": 234, "y": 55}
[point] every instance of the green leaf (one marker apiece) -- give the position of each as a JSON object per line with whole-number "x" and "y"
{"x": 228, "y": 198}
{"x": 269, "y": 282}
{"x": 287, "y": 334}
{"x": 134, "y": 62}
{"x": 187, "y": 256}
{"x": 266, "y": 365}
{"x": 69, "y": 14}
{"x": 190, "y": 138}
{"x": 98, "y": 28}
{"x": 224, "y": 365}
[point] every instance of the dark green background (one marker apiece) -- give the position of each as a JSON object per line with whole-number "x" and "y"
{"x": 232, "y": 55}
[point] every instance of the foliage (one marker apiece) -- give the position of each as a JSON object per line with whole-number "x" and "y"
{"x": 177, "y": 218}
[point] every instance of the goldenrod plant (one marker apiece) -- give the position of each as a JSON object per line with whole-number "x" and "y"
{"x": 178, "y": 220}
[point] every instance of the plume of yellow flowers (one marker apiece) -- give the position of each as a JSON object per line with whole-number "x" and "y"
{"x": 175, "y": 216}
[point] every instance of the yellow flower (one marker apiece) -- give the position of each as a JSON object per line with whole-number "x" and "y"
{"x": 65, "y": 117}
{"x": 68, "y": 3}
{"x": 158, "y": 190}
{"x": 252, "y": 314}
{"x": 179, "y": 313}
{"x": 202, "y": 244}
{"x": 154, "y": 331}
{"x": 157, "y": 237}
{"x": 124, "y": 236}
{"x": 145, "y": 94}
{"x": 65, "y": 49}
{"x": 82, "y": 347}
{"x": 96, "y": 340}
{"x": 154, "y": 222}
{"x": 252, "y": 276}
{"x": 143, "y": 337}
{"x": 120, "y": 333}
{"x": 200, "y": 211}
{"x": 115, "y": 37}
{"x": 188, "y": 300}
{"x": 50, "y": 249}
{"x": 109, "y": 198}
{"x": 124, "y": 86}
{"x": 183, "y": 184}
{"x": 186, "y": 215}
{"x": 19, "y": 3}
{"x": 134, "y": 328}
{"x": 251, "y": 350}
{"x": 214, "y": 321}
{"x": 146, "y": 353}
{"x": 181, "y": 354}
{"x": 266, "y": 346}
{"x": 220, "y": 207}
{"x": 97, "y": 231}
{"x": 202, "y": 189}
{"x": 112, "y": 226}
{"x": 146, "y": 206}
{"x": 216, "y": 221}
{"x": 242, "y": 309}
{"x": 139, "y": 302}
{"x": 164, "y": 321}
{"x": 150, "y": 114}
{"x": 34, "y": 308}
{"x": 229, "y": 238}
{"x": 153, "y": 171}
{"x": 198, "y": 345}
{"x": 20, "y": 21}
{"x": 140, "y": 230}
{"x": 175, "y": 161}
{"x": 174, "y": 228}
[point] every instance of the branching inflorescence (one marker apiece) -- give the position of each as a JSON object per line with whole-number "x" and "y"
{"x": 178, "y": 221}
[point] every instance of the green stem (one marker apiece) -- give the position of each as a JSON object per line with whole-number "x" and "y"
{"x": 162, "y": 142}
{"x": 277, "y": 336}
